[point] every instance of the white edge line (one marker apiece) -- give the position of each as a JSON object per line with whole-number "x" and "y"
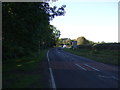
{"x": 80, "y": 67}
{"x": 91, "y": 67}
{"x": 51, "y": 74}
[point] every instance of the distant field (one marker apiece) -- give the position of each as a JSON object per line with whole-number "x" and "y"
{"x": 23, "y": 72}
{"x": 104, "y": 56}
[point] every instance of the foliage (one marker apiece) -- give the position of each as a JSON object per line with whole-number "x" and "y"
{"x": 26, "y": 27}
{"x": 109, "y": 46}
{"x": 85, "y": 46}
{"x": 24, "y": 72}
{"x": 65, "y": 41}
{"x": 55, "y": 35}
{"x": 104, "y": 56}
{"x": 81, "y": 40}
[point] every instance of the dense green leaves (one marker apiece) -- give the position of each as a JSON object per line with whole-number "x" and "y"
{"x": 26, "y": 27}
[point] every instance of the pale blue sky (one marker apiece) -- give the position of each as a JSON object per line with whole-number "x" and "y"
{"x": 96, "y": 21}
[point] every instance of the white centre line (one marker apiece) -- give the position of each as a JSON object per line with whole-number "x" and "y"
{"x": 91, "y": 67}
{"x": 80, "y": 67}
{"x": 51, "y": 74}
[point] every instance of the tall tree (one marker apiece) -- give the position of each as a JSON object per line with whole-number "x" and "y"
{"x": 26, "y": 27}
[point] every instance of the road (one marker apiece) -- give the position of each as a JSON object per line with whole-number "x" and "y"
{"x": 71, "y": 71}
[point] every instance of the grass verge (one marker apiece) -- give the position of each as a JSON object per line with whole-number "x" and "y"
{"x": 104, "y": 56}
{"x": 23, "y": 72}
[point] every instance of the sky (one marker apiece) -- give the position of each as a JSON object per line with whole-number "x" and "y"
{"x": 96, "y": 20}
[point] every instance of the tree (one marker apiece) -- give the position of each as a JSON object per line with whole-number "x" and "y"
{"x": 65, "y": 41}
{"x": 68, "y": 41}
{"x": 102, "y": 42}
{"x": 26, "y": 27}
{"x": 81, "y": 40}
{"x": 55, "y": 34}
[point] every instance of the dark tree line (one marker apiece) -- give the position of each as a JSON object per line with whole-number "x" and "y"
{"x": 26, "y": 27}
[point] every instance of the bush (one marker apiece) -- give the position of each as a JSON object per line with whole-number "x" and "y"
{"x": 85, "y": 46}
{"x": 108, "y": 46}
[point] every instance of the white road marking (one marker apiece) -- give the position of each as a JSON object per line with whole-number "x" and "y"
{"x": 91, "y": 67}
{"x": 51, "y": 74}
{"x": 113, "y": 77}
{"x": 52, "y": 79}
{"x": 80, "y": 67}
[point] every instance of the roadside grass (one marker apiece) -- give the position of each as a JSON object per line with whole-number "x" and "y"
{"x": 23, "y": 72}
{"x": 104, "y": 56}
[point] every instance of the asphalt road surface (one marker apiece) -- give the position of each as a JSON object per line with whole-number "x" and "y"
{"x": 71, "y": 71}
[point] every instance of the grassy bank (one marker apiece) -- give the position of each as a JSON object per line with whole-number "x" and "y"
{"x": 104, "y": 56}
{"x": 23, "y": 72}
